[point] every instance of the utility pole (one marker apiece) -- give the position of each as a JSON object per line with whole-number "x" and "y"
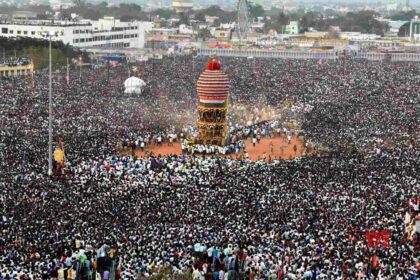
{"x": 50, "y": 115}
{"x": 153, "y": 66}
{"x": 80, "y": 68}
{"x": 107, "y": 77}
{"x": 68, "y": 72}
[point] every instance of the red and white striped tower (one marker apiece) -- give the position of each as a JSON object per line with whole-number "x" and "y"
{"x": 213, "y": 91}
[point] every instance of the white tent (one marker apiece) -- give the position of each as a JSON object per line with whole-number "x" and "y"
{"x": 134, "y": 85}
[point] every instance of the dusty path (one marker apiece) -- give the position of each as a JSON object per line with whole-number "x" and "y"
{"x": 254, "y": 152}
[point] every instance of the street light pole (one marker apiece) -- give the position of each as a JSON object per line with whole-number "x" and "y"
{"x": 68, "y": 74}
{"x": 50, "y": 115}
{"x": 80, "y": 68}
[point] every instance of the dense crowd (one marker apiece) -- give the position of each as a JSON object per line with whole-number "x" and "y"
{"x": 215, "y": 218}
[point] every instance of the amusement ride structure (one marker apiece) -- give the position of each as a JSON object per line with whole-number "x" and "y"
{"x": 243, "y": 20}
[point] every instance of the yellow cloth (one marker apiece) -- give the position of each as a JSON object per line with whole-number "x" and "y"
{"x": 59, "y": 155}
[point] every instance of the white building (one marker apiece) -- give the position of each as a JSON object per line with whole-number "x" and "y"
{"x": 292, "y": 28}
{"x": 415, "y": 29}
{"x": 103, "y": 33}
{"x": 184, "y": 29}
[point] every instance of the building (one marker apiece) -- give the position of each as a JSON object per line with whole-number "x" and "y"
{"x": 165, "y": 41}
{"x": 292, "y": 28}
{"x": 210, "y": 19}
{"x": 316, "y": 35}
{"x": 415, "y": 29}
{"x": 185, "y": 29}
{"x": 103, "y": 33}
{"x": 221, "y": 34}
{"x": 16, "y": 67}
{"x": 182, "y": 6}
{"x": 24, "y": 15}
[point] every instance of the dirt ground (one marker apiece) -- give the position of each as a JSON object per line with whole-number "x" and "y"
{"x": 254, "y": 153}
{"x": 264, "y": 147}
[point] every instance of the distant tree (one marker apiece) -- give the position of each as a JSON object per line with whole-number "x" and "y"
{"x": 213, "y": 11}
{"x": 103, "y": 4}
{"x": 277, "y": 23}
{"x": 162, "y": 13}
{"x": 201, "y": 17}
{"x": 203, "y": 33}
{"x": 304, "y": 23}
{"x": 256, "y": 10}
{"x": 65, "y": 15}
{"x": 78, "y": 3}
{"x": 38, "y": 9}
{"x": 132, "y": 6}
{"x": 126, "y": 12}
{"x": 360, "y": 21}
{"x": 184, "y": 18}
{"x": 283, "y": 19}
{"x": 37, "y": 50}
{"x": 332, "y": 34}
{"x": 404, "y": 15}
{"x": 404, "y": 30}
{"x": 310, "y": 19}
{"x": 223, "y": 15}
{"x": 90, "y": 13}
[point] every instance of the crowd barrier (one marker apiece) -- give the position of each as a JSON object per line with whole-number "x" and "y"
{"x": 327, "y": 55}
{"x": 268, "y": 54}
{"x": 371, "y": 56}
{"x": 412, "y": 57}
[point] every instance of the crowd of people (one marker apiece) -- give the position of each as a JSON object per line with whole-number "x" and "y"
{"x": 211, "y": 217}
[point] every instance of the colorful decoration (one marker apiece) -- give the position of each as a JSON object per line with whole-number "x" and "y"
{"x": 213, "y": 92}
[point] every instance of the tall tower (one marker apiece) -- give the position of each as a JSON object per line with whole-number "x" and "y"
{"x": 213, "y": 92}
{"x": 243, "y": 20}
{"x": 182, "y": 6}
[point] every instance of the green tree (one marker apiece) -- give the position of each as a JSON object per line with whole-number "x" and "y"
{"x": 37, "y": 50}
{"x": 404, "y": 15}
{"x": 213, "y": 11}
{"x": 162, "y": 13}
{"x": 184, "y": 18}
{"x": 332, "y": 34}
{"x": 404, "y": 30}
{"x": 283, "y": 19}
{"x": 78, "y": 3}
{"x": 201, "y": 17}
{"x": 203, "y": 33}
{"x": 256, "y": 10}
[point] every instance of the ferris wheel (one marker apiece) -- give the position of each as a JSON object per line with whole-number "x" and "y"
{"x": 243, "y": 20}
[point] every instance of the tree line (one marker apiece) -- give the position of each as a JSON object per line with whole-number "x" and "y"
{"x": 38, "y": 51}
